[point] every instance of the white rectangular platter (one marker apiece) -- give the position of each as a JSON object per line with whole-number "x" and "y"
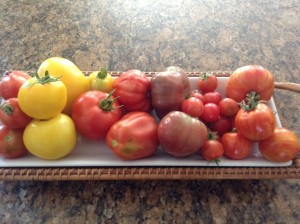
{"x": 96, "y": 154}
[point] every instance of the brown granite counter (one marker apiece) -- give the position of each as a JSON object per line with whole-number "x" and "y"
{"x": 150, "y": 35}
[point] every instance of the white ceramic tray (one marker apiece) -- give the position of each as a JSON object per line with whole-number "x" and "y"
{"x": 96, "y": 154}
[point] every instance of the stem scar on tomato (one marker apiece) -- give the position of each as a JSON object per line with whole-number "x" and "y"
{"x": 7, "y": 109}
{"x": 107, "y": 103}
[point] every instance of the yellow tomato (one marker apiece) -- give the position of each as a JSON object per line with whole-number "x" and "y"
{"x": 101, "y": 80}
{"x": 75, "y": 81}
{"x": 42, "y": 98}
{"x": 50, "y": 139}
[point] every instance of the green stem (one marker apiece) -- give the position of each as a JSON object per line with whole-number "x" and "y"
{"x": 102, "y": 74}
{"x": 107, "y": 103}
{"x": 43, "y": 80}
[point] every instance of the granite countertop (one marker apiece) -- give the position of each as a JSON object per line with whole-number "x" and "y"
{"x": 151, "y": 35}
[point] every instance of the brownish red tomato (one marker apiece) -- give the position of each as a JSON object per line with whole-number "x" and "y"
{"x": 192, "y": 106}
{"x": 282, "y": 146}
{"x": 228, "y": 107}
{"x": 212, "y": 150}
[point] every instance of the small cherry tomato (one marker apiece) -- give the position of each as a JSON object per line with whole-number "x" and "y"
{"x": 221, "y": 126}
{"x": 197, "y": 94}
{"x": 228, "y": 107}
{"x": 212, "y": 150}
{"x": 212, "y": 97}
{"x": 192, "y": 106}
{"x": 207, "y": 83}
{"x": 101, "y": 80}
{"x": 211, "y": 113}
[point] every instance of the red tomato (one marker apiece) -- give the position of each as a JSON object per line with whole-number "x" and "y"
{"x": 212, "y": 97}
{"x": 11, "y": 142}
{"x": 236, "y": 146}
{"x": 180, "y": 134}
{"x": 247, "y": 79}
{"x": 207, "y": 83}
{"x": 133, "y": 88}
{"x": 212, "y": 150}
{"x": 228, "y": 107}
{"x": 11, "y": 83}
{"x": 197, "y": 94}
{"x": 192, "y": 106}
{"x": 11, "y": 114}
{"x": 94, "y": 112}
{"x": 221, "y": 126}
{"x": 282, "y": 146}
{"x": 134, "y": 136}
{"x": 256, "y": 124}
{"x": 211, "y": 113}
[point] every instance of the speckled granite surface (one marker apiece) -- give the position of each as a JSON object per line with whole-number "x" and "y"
{"x": 150, "y": 35}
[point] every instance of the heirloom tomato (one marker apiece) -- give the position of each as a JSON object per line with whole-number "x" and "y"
{"x": 134, "y": 136}
{"x": 250, "y": 78}
{"x": 236, "y": 146}
{"x": 11, "y": 82}
{"x": 192, "y": 106}
{"x": 101, "y": 80}
{"x": 11, "y": 142}
{"x": 50, "y": 139}
{"x": 11, "y": 114}
{"x": 180, "y": 134}
{"x": 42, "y": 97}
{"x": 281, "y": 146}
{"x": 94, "y": 112}
{"x": 75, "y": 81}
{"x": 228, "y": 107}
{"x": 168, "y": 90}
{"x": 207, "y": 83}
{"x": 133, "y": 88}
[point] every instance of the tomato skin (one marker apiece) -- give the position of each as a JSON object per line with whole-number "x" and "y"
{"x": 250, "y": 78}
{"x": 236, "y": 146}
{"x": 133, "y": 87}
{"x": 168, "y": 90}
{"x": 221, "y": 126}
{"x": 212, "y": 150}
{"x": 11, "y": 142}
{"x": 134, "y": 136}
{"x": 228, "y": 107}
{"x": 50, "y": 139}
{"x": 211, "y": 113}
{"x": 11, "y": 83}
{"x": 192, "y": 106}
{"x": 11, "y": 114}
{"x": 282, "y": 146}
{"x": 207, "y": 83}
{"x": 181, "y": 135}
{"x": 197, "y": 94}
{"x": 256, "y": 124}
{"x": 90, "y": 119}
{"x": 212, "y": 97}
{"x": 102, "y": 83}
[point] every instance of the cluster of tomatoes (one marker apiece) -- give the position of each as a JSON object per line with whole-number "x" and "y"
{"x": 135, "y": 114}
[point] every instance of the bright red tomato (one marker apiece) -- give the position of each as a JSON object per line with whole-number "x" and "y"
{"x": 11, "y": 83}
{"x": 282, "y": 146}
{"x": 94, "y": 112}
{"x": 197, "y": 94}
{"x": 212, "y": 97}
{"x": 256, "y": 124}
{"x": 228, "y": 107}
{"x": 134, "y": 136}
{"x": 11, "y": 142}
{"x": 192, "y": 106}
{"x": 250, "y": 78}
{"x": 12, "y": 116}
{"x": 133, "y": 88}
{"x": 221, "y": 126}
{"x": 212, "y": 150}
{"x": 207, "y": 83}
{"x": 236, "y": 146}
{"x": 211, "y": 113}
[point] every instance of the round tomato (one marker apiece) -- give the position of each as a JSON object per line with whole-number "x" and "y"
{"x": 11, "y": 142}
{"x": 228, "y": 107}
{"x": 256, "y": 124}
{"x": 12, "y": 116}
{"x": 197, "y": 94}
{"x": 180, "y": 134}
{"x": 192, "y": 106}
{"x": 101, "y": 80}
{"x": 236, "y": 146}
{"x": 134, "y": 136}
{"x": 248, "y": 79}
{"x": 211, "y": 113}
{"x": 133, "y": 88}
{"x": 50, "y": 139}
{"x": 73, "y": 78}
{"x": 207, "y": 83}
{"x": 282, "y": 146}
{"x": 11, "y": 83}
{"x": 42, "y": 97}
{"x": 221, "y": 126}
{"x": 212, "y": 97}
{"x": 94, "y": 112}
{"x": 212, "y": 150}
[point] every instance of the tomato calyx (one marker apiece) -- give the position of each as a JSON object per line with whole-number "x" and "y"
{"x": 7, "y": 109}
{"x": 204, "y": 76}
{"x": 43, "y": 80}
{"x": 251, "y": 101}
{"x": 212, "y": 135}
{"x": 102, "y": 74}
{"x": 107, "y": 103}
